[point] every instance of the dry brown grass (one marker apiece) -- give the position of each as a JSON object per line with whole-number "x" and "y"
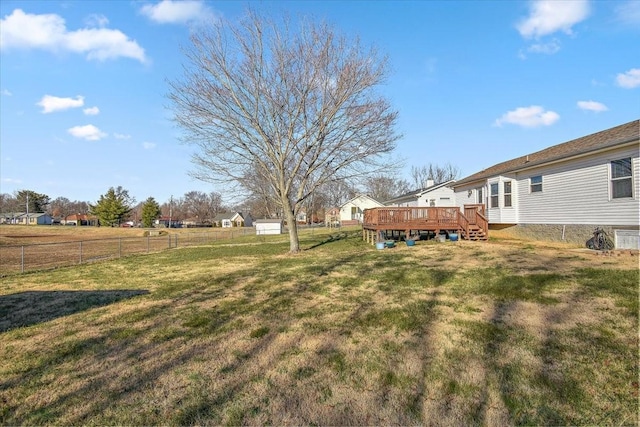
{"x": 341, "y": 334}
{"x": 29, "y": 235}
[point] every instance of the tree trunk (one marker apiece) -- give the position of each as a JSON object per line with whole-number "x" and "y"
{"x": 292, "y": 225}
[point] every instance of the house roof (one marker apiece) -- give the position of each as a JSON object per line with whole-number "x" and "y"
{"x": 226, "y": 215}
{"x": 32, "y": 214}
{"x": 417, "y": 193}
{"x": 609, "y": 138}
{"x": 358, "y": 196}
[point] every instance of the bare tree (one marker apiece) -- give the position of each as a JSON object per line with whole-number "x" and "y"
{"x": 60, "y": 207}
{"x": 436, "y": 173}
{"x": 9, "y": 203}
{"x": 384, "y": 187}
{"x": 202, "y": 205}
{"x": 263, "y": 195}
{"x": 335, "y": 193}
{"x": 297, "y": 104}
{"x": 175, "y": 208}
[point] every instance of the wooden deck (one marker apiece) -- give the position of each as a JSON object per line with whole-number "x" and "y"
{"x": 470, "y": 223}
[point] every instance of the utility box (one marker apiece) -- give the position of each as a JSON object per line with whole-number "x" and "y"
{"x": 268, "y": 226}
{"x": 627, "y": 239}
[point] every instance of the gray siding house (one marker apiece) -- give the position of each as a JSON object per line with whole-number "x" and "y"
{"x": 567, "y": 189}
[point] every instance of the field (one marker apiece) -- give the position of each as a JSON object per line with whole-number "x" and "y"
{"x": 33, "y": 248}
{"x": 507, "y": 332}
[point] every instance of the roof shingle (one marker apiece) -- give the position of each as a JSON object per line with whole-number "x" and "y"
{"x": 618, "y": 135}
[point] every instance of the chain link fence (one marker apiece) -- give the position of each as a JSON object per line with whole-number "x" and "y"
{"x": 23, "y": 258}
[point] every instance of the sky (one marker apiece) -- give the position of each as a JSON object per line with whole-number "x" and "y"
{"x": 83, "y": 84}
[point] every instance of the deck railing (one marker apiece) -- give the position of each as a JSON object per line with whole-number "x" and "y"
{"x": 444, "y": 218}
{"x": 422, "y": 218}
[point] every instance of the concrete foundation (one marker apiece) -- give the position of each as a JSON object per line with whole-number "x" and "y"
{"x": 571, "y": 233}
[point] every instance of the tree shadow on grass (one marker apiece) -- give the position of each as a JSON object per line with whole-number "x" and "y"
{"x": 333, "y": 238}
{"x": 32, "y": 307}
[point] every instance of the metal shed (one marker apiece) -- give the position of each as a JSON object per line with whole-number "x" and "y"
{"x": 268, "y": 226}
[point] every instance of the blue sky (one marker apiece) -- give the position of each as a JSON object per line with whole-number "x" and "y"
{"x": 83, "y": 83}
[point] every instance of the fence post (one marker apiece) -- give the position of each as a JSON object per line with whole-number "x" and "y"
{"x": 169, "y": 241}
{"x": 120, "y": 247}
{"x": 148, "y": 243}
{"x": 22, "y": 259}
{"x": 176, "y": 240}
{"x": 80, "y": 251}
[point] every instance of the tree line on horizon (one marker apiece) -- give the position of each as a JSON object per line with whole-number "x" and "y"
{"x": 116, "y": 206}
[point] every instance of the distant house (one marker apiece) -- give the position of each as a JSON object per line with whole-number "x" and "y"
{"x": 301, "y": 216}
{"x": 191, "y": 222}
{"x": 565, "y": 189}
{"x": 10, "y": 217}
{"x": 232, "y": 219}
{"x": 332, "y": 217}
{"x": 80, "y": 219}
{"x": 38, "y": 218}
{"x": 439, "y": 195}
{"x": 268, "y": 226}
{"x": 166, "y": 222}
{"x": 351, "y": 212}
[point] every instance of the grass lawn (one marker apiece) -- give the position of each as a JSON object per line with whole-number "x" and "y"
{"x": 499, "y": 333}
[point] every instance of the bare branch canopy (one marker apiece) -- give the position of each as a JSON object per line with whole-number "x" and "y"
{"x": 295, "y": 105}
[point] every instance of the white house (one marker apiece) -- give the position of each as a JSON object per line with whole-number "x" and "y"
{"x": 268, "y": 226}
{"x": 232, "y": 219}
{"x": 440, "y": 195}
{"x": 575, "y": 186}
{"x": 351, "y": 212}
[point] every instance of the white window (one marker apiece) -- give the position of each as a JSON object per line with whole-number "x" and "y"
{"x": 507, "y": 193}
{"x": 494, "y": 195}
{"x": 621, "y": 180}
{"x": 536, "y": 184}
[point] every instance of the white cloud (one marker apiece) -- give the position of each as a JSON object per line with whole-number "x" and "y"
{"x": 91, "y": 111}
{"x": 48, "y": 32}
{"x": 5, "y": 92}
{"x": 51, "y": 104}
{"x": 546, "y": 48}
{"x": 12, "y": 181}
{"x": 592, "y": 106}
{"x": 628, "y": 12}
{"x": 548, "y": 16}
{"x": 148, "y": 145}
{"x": 532, "y": 116}
{"x": 177, "y": 12}
{"x": 121, "y": 136}
{"x": 629, "y": 79}
{"x": 88, "y": 132}
{"x": 96, "y": 20}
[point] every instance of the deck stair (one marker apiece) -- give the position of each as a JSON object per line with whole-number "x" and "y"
{"x": 475, "y": 233}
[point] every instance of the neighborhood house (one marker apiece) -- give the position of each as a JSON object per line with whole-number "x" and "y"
{"x": 351, "y": 212}
{"x": 433, "y": 195}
